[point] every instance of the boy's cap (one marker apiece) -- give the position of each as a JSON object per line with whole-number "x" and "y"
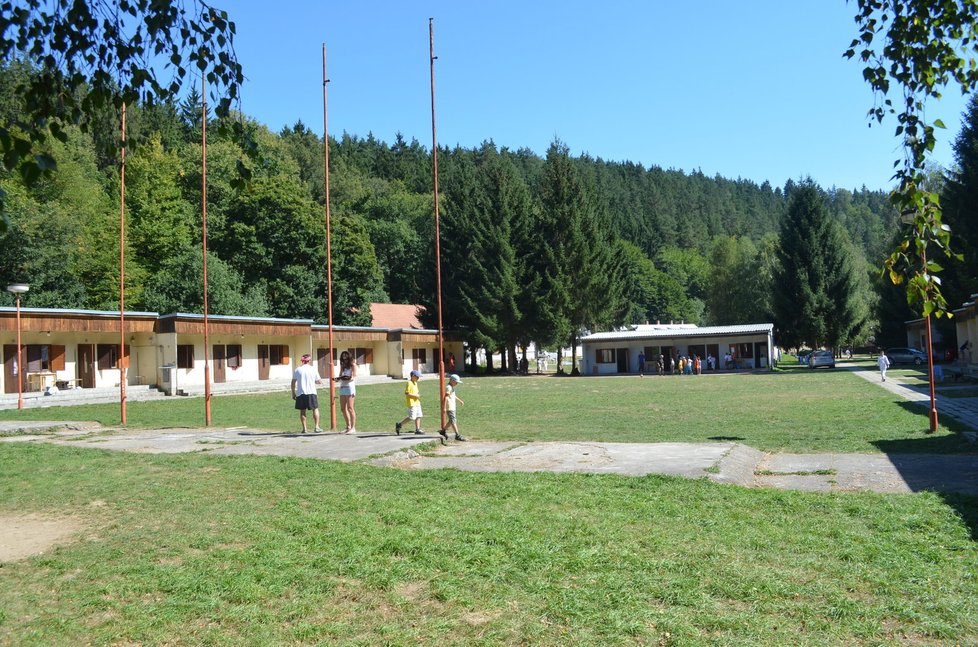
{"x": 454, "y": 378}
{"x": 306, "y": 358}
{"x": 416, "y": 373}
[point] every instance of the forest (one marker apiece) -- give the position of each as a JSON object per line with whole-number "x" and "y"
{"x": 534, "y": 248}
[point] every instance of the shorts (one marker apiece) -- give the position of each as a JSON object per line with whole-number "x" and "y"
{"x": 348, "y": 389}
{"x": 413, "y": 413}
{"x": 308, "y": 401}
{"x": 452, "y": 417}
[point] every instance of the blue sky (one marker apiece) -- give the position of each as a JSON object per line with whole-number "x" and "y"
{"x": 755, "y": 89}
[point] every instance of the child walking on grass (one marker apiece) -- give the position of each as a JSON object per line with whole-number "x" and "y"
{"x": 450, "y": 399}
{"x": 412, "y": 398}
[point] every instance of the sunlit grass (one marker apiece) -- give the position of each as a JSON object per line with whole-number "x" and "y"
{"x": 199, "y": 549}
{"x": 794, "y": 409}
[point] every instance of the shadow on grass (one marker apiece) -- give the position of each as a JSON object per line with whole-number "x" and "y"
{"x": 726, "y": 438}
{"x": 947, "y": 422}
{"x": 946, "y": 464}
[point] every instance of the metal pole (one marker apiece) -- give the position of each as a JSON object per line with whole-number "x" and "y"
{"x": 930, "y": 376}
{"x": 203, "y": 204}
{"x": 329, "y": 255}
{"x": 930, "y": 361}
{"x": 434, "y": 172}
{"x": 123, "y": 358}
{"x": 20, "y": 361}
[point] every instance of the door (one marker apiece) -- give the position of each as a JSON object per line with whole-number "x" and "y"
{"x": 220, "y": 357}
{"x": 714, "y": 351}
{"x": 263, "y": 361}
{"x": 322, "y": 365}
{"x": 667, "y": 352}
{"x": 10, "y": 369}
{"x": 86, "y": 366}
{"x": 419, "y": 357}
{"x": 622, "y": 354}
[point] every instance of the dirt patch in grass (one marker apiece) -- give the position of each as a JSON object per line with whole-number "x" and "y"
{"x": 23, "y": 536}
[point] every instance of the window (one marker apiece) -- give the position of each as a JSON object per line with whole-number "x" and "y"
{"x": 745, "y": 351}
{"x": 363, "y": 356}
{"x": 233, "y": 355}
{"x": 185, "y": 356}
{"x": 108, "y": 356}
{"x": 279, "y": 353}
{"x": 605, "y": 355}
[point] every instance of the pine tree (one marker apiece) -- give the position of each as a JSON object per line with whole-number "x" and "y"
{"x": 581, "y": 276}
{"x": 816, "y": 287}
{"x": 960, "y": 200}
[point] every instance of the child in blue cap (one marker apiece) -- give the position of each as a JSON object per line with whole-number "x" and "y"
{"x": 449, "y": 403}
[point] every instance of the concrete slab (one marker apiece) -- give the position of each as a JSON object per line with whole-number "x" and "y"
{"x": 40, "y": 426}
{"x": 723, "y": 462}
{"x": 631, "y": 459}
{"x": 738, "y": 466}
{"x": 238, "y": 441}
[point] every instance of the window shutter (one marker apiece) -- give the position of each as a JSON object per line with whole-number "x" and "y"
{"x": 57, "y": 358}
{"x": 285, "y": 354}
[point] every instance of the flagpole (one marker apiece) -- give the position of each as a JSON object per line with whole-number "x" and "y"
{"x": 203, "y": 203}
{"x": 123, "y": 358}
{"x": 434, "y": 172}
{"x": 329, "y": 254}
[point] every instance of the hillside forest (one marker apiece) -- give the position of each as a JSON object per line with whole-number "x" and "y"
{"x": 534, "y": 248}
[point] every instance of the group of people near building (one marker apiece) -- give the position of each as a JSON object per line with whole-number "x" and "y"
{"x": 305, "y": 380}
{"x": 681, "y": 365}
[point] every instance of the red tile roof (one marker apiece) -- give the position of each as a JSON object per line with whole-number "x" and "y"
{"x": 395, "y": 315}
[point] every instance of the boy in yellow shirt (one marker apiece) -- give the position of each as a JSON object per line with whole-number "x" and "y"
{"x": 412, "y": 398}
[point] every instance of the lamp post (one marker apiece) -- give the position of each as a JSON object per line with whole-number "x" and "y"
{"x": 18, "y": 289}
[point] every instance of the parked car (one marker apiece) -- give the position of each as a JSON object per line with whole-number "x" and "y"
{"x": 906, "y": 356}
{"x": 821, "y": 358}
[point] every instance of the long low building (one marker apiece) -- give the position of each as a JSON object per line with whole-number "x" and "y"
{"x": 750, "y": 346}
{"x": 82, "y": 348}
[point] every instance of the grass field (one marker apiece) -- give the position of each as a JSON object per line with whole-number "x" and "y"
{"x": 196, "y": 549}
{"x": 795, "y": 410}
{"x": 202, "y": 549}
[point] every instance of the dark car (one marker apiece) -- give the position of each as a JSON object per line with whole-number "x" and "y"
{"x": 906, "y": 356}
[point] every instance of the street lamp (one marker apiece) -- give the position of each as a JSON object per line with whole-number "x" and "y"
{"x": 18, "y": 289}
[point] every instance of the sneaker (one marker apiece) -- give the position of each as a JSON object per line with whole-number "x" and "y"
{"x": 350, "y": 431}
{"x": 319, "y": 430}
{"x": 397, "y": 428}
{"x": 459, "y": 437}
{"x": 443, "y": 433}
{"x": 418, "y": 432}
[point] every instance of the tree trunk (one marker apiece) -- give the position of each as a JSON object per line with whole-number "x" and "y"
{"x": 573, "y": 345}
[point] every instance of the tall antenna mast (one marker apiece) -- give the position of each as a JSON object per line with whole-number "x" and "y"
{"x": 434, "y": 172}
{"x": 203, "y": 208}
{"x": 329, "y": 254}
{"x": 123, "y": 358}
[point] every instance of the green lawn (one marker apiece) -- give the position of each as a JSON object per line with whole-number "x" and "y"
{"x": 201, "y": 549}
{"x": 796, "y": 410}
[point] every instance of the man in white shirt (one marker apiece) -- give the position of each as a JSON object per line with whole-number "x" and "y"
{"x": 306, "y": 378}
{"x": 883, "y": 362}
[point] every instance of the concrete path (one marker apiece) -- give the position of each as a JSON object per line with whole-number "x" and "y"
{"x": 731, "y": 463}
{"x": 721, "y": 462}
{"x": 964, "y": 410}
